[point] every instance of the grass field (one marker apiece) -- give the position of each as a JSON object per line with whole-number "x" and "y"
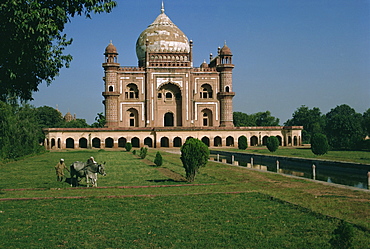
{"x": 140, "y": 206}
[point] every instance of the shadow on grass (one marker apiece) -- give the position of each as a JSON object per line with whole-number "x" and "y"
{"x": 166, "y": 180}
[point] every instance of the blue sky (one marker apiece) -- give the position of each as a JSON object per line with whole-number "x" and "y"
{"x": 287, "y": 53}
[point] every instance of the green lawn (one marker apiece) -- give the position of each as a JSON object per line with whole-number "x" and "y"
{"x": 141, "y": 206}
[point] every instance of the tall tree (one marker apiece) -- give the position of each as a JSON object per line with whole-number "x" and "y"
{"x": 20, "y": 133}
{"x": 344, "y": 127}
{"x": 32, "y": 41}
{"x": 311, "y": 119}
{"x": 366, "y": 122}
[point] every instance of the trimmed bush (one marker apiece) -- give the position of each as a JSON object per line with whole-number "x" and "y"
{"x": 158, "y": 159}
{"x": 272, "y": 143}
{"x": 242, "y": 143}
{"x": 143, "y": 152}
{"x": 319, "y": 144}
{"x": 134, "y": 152}
{"x": 128, "y": 146}
{"x": 194, "y": 154}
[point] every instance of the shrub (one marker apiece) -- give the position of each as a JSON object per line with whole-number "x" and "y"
{"x": 242, "y": 143}
{"x": 134, "y": 152}
{"x": 143, "y": 152}
{"x": 194, "y": 154}
{"x": 128, "y": 146}
{"x": 272, "y": 143}
{"x": 158, "y": 159}
{"x": 319, "y": 144}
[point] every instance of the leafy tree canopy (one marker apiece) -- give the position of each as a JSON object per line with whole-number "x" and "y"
{"x": 100, "y": 121}
{"x": 311, "y": 119}
{"x": 257, "y": 119}
{"x": 32, "y": 41}
{"x": 344, "y": 127}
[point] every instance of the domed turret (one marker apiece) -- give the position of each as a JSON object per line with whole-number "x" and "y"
{"x": 225, "y": 50}
{"x": 110, "y": 49}
{"x": 111, "y": 53}
{"x": 161, "y": 36}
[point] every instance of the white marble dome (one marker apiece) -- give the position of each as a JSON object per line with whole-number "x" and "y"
{"x": 163, "y": 36}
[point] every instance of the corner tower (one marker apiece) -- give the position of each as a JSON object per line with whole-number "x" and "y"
{"x": 111, "y": 92}
{"x": 225, "y": 67}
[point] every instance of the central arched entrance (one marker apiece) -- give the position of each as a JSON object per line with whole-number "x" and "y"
{"x": 168, "y": 119}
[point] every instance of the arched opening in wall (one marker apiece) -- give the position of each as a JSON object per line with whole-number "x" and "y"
{"x": 207, "y": 117}
{"x": 109, "y": 142}
{"x": 82, "y": 143}
{"x": 227, "y": 89}
{"x": 132, "y": 91}
{"x": 299, "y": 141}
{"x": 133, "y": 117}
{"x": 264, "y": 140}
{"x": 165, "y": 142}
{"x": 280, "y": 140}
{"x": 217, "y": 141}
{"x": 205, "y": 140}
{"x": 96, "y": 142}
{"x": 171, "y": 102}
{"x": 188, "y": 138}
{"x": 289, "y": 141}
{"x": 254, "y": 141}
{"x": 295, "y": 141}
{"x": 206, "y": 91}
{"x": 59, "y": 145}
{"x": 148, "y": 142}
{"x": 177, "y": 142}
{"x": 135, "y": 142}
{"x": 110, "y": 89}
{"x": 229, "y": 141}
{"x": 168, "y": 119}
{"x": 52, "y": 142}
{"x": 70, "y": 143}
{"x": 122, "y": 142}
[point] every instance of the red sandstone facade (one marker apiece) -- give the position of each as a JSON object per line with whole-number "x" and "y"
{"x": 165, "y": 99}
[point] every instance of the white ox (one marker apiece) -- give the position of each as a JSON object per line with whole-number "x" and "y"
{"x": 89, "y": 171}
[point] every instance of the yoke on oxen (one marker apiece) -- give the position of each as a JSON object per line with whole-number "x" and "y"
{"x": 89, "y": 171}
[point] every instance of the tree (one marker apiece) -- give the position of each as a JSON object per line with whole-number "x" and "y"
{"x": 344, "y": 127}
{"x": 20, "y": 133}
{"x": 100, "y": 121}
{"x": 128, "y": 146}
{"x": 242, "y": 143}
{"x": 265, "y": 119}
{"x": 194, "y": 155}
{"x": 48, "y": 117}
{"x": 272, "y": 143}
{"x": 158, "y": 160}
{"x": 143, "y": 152}
{"x": 366, "y": 122}
{"x": 32, "y": 41}
{"x": 311, "y": 119}
{"x": 241, "y": 119}
{"x": 319, "y": 144}
{"x": 77, "y": 123}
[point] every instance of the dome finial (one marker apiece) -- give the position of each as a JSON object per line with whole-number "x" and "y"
{"x": 162, "y": 9}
